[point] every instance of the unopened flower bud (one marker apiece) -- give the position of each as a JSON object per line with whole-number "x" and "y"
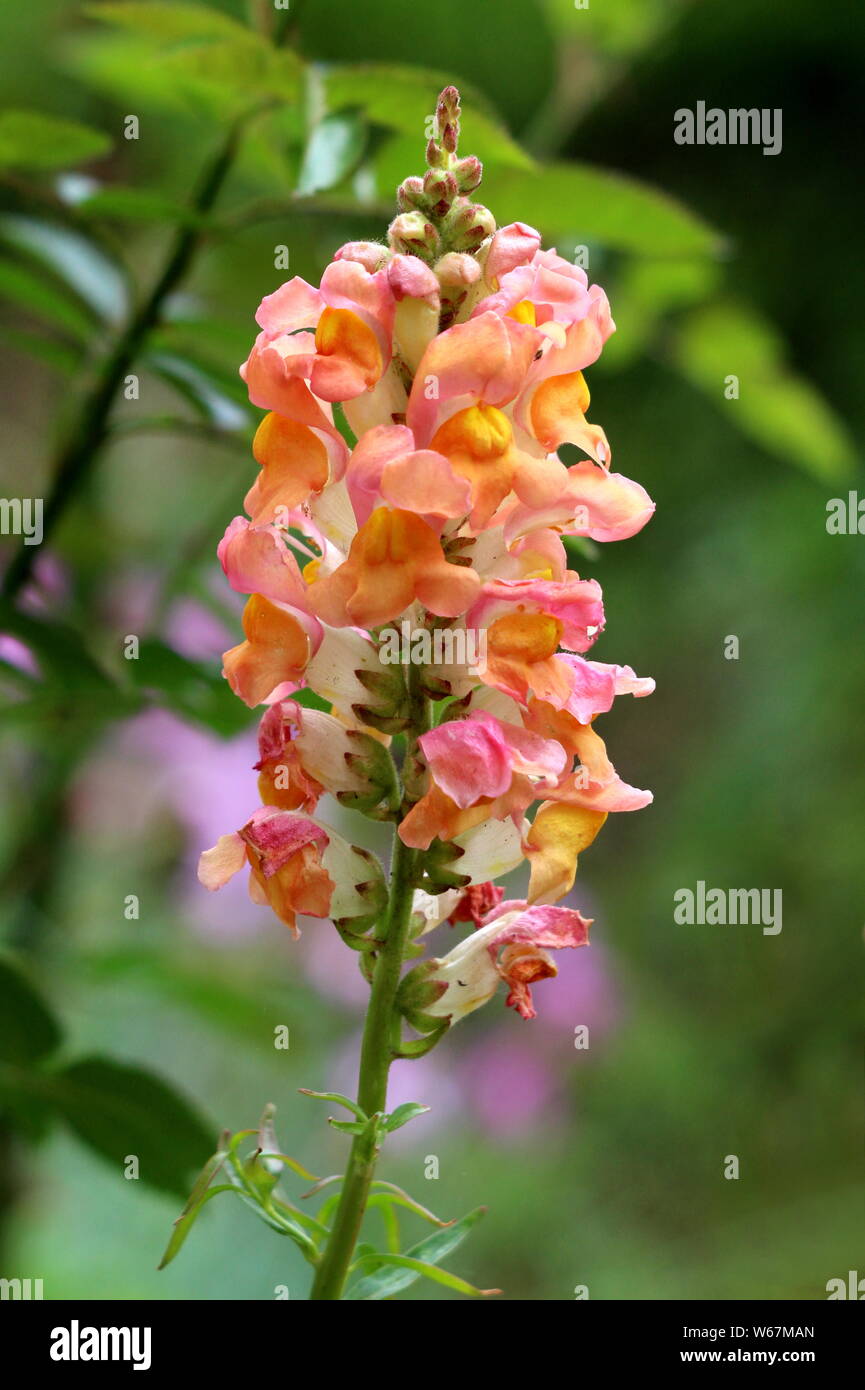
{"x": 370, "y": 254}
{"x": 440, "y": 189}
{"x": 468, "y": 173}
{"x": 448, "y": 118}
{"x": 435, "y": 157}
{"x": 470, "y": 227}
{"x": 410, "y": 195}
{"x": 412, "y": 235}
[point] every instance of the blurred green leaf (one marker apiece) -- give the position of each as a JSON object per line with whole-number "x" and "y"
{"x": 403, "y": 98}
{"x": 190, "y": 688}
{"x": 199, "y": 49}
{"x": 29, "y": 140}
{"x": 65, "y": 662}
{"x": 644, "y": 292}
{"x": 55, "y": 354}
{"x": 387, "y": 1282}
{"x": 503, "y": 48}
{"x": 28, "y": 1028}
{"x": 95, "y": 279}
{"x": 333, "y": 152}
{"x": 120, "y": 1110}
{"x": 136, "y": 205}
{"x": 588, "y": 204}
{"x": 618, "y": 30}
{"x": 29, "y": 290}
{"x": 242, "y": 69}
{"x": 779, "y": 410}
{"x": 168, "y": 21}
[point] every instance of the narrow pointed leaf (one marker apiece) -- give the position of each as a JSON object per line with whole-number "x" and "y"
{"x": 388, "y": 1282}
{"x": 200, "y": 1193}
{"x": 335, "y": 1099}
{"x": 403, "y": 1114}
{"x": 421, "y": 1269}
{"x": 31, "y": 140}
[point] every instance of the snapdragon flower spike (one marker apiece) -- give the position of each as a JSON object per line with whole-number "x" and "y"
{"x": 457, "y": 352}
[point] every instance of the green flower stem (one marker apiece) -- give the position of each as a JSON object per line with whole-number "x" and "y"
{"x": 377, "y": 1049}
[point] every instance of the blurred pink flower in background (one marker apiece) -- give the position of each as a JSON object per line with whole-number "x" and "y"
{"x": 507, "y": 1085}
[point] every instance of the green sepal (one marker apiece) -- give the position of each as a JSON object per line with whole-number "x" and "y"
{"x": 438, "y": 871}
{"x": 417, "y": 991}
{"x": 371, "y": 762}
{"x": 388, "y": 710}
{"x": 374, "y": 895}
{"x": 435, "y": 1029}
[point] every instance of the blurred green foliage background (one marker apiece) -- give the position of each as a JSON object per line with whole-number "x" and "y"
{"x": 602, "y": 1167}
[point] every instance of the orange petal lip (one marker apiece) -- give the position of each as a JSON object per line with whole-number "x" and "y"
{"x": 277, "y": 649}
{"x": 394, "y": 559}
{"x": 294, "y": 465}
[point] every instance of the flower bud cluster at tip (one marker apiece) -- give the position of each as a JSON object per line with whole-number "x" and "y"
{"x": 437, "y": 219}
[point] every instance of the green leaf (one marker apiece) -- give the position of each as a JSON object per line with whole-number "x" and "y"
{"x": 28, "y": 1029}
{"x": 618, "y": 30}
{"x": 243, "y": 69}
{"x": 137, "y": 205}
{"x": 348, "y": 1126}
{"x": 201, "y": 1193}
{"x": 421, "y": 1269}
{"x": 779, "y": 410}
{"x": 586, "y": 204}
{"x": 403, "y": 1114}
{"x": 333, "y": 152}
{"x": 644, "y": 293}
{"x": 274, "y": 1213}
{"x": 30, "y": 290}
{"x": 200, "y": 49}
{"x": 29, "y": 140}
{"x": 96, "y": 279}
{"x": 403, "y": 98}
{"x": 503, "y": 48}
{"x": 61, "y": 356}
{"x": 120, "y": 1110}
{"x": 428, "y": 1252}
{"x": 167, "y": 21}
{"x": 335, "y": 1098}
{"x": 65, "y": 661}
{"x": 388, "y": 1192}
